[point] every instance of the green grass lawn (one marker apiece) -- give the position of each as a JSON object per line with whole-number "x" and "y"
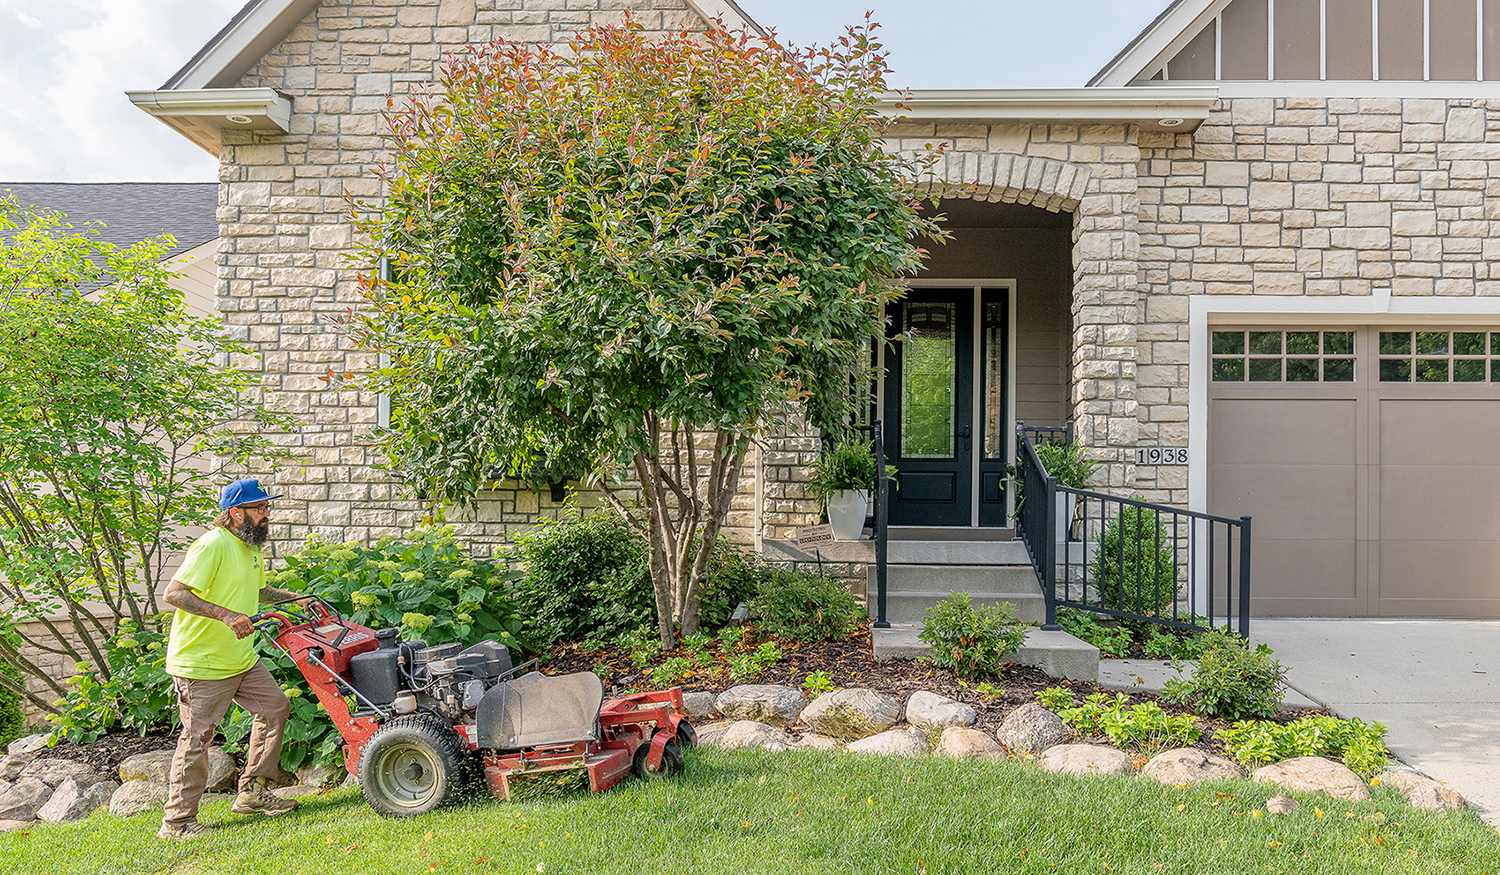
{"x": 803, "y": 813}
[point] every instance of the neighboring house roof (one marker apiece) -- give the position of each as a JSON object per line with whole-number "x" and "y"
{"x": 131, "y": 211}
{"x": 1177, "y": 24}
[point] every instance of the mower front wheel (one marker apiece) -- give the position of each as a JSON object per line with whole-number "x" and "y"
{"x": 687, "y": 736}
{"x": 671, "y": 762}
{"x": 411, "y": 766}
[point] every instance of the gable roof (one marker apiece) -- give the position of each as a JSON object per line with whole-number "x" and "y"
{"x": 262, "y": 24}
{"x": 1170, "y": 31}
{"x": 131, "y": 211}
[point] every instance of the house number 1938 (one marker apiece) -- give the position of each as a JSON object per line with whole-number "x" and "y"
{"x": 1161, "y": 456}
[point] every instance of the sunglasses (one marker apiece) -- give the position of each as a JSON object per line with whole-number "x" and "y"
{"x": 262, "y": 506}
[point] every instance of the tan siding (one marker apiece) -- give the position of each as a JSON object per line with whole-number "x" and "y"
{"x": 1196, "y": 60}
{"x": 1299, "y": 39}
{"x": 1492, "y": 39}
{"x": 199, "y": 279}
{"x": 1350, "y": 50}
{"x": 1401, "y": 29}
{"x": 1453, "y": 41}
{"x": 1244, "y": 50}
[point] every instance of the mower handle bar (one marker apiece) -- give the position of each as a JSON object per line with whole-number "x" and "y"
{"x": 268, "y": 621}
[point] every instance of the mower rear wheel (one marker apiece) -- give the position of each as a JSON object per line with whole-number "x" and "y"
{"x": 411, "y": 766}
{"x": 671, "y": 762}
{"x": 687, "y": 736}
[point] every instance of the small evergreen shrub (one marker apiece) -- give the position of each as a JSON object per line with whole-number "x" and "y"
{"x": 799, "y": 606}
{"x": 1360, "y": 745}
{"x": 1230, "y": 680}
{"x": 1134, "y": 569}
{"x": 970, "y": 640}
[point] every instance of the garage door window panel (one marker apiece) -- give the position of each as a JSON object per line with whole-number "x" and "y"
{"x": 1439, "y": 357}
{"x": 1283, "y": 356}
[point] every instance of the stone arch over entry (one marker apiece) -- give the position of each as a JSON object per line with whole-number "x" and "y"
{"x": 1053, "y": 185}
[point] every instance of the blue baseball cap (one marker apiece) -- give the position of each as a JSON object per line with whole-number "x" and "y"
{"x": 243, "y": 491}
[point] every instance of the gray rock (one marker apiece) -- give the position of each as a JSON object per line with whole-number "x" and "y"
{"x": 53, "y": 772}
{"x": 12, "y": 765}
{"x": 709, "y": 734}
{"x": 320, "y": 775}
{"x": 1314, "y": 775}
{"x": 5, "y": 785}
{"x": 29, "y": 744}
{"x": 814, "y": 741}
{"x": 1422, "y": 791}
{"x": 133, "y": 797}
{"x": 904, "y": 742}
{"x": 1282, "y": 804}
{"x": 1086, "y": 759}
{"x": 297, "y": 791}
{"x": 751, "y": 734}
{"x": 12, "y": 825}
{"x": 939, "y": 712}
{"x": 699, "y": 706}
{"x": 21, "y": 801}
{"x": 72, "y": 801}
{"x": 156, "y": 765}
{"x": 1188, "y": 765}
{"x": 852, "y": 714}
{"x": 964, "y": 743}
{"x": 763, "y": 703}
{"x": 1031, "y": 729}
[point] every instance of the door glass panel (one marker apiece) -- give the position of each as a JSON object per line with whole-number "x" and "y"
{"x": 994, "y": 386}
{"x": 927, "y": 382}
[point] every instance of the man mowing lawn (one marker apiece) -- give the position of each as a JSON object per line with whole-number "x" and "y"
{"x": 212, "y": 661}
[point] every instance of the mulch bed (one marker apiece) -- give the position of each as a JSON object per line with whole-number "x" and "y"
{"x": 849, "y": 663}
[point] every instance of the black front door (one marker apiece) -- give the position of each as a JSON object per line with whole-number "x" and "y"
{"x": 929, "y": 407}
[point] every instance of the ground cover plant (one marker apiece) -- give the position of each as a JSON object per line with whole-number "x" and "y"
{"x": 1134, "y": 639}
{"x": 806, "y": 812}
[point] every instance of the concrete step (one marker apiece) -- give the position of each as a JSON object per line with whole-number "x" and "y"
{"x": 1058, "y": 654}
{"x": 972, "y": 579}
{"x": 912, "y": 607}
{"x": 946, "y": 552}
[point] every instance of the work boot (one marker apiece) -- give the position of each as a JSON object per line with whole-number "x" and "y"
{"x": 178, "y": 831}
{"x": 257, "y": 798}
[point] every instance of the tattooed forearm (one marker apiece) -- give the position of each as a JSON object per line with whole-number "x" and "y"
{"x": 271, "y": 595}
{"x": 183, "y": 599}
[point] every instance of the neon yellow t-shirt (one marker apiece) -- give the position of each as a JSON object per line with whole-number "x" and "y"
{"x": 222, "y": 569}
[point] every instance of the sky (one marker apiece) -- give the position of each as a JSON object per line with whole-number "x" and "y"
{"x": 65, "y": 66}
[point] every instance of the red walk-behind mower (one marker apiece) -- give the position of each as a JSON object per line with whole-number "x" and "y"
{"x": 420, "y": 722}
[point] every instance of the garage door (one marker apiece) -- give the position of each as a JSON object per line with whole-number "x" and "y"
{"x": 1368, "y": 459}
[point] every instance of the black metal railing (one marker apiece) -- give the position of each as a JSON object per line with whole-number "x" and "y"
{"x": 1127, "y": 558}
{"x": 881, "y": 514}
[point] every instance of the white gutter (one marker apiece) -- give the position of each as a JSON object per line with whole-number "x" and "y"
{"x": 203, "y": 114}
{"x": 1147, "y": 106}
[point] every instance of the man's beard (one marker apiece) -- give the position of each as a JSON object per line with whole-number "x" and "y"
{"x": 252, "y": 533}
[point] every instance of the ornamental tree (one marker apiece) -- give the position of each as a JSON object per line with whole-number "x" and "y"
{"x": 111, "y": 406}
{"x": 623, "y": 260}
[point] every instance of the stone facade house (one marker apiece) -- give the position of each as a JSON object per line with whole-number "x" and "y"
{"x": 1261, "y": 238}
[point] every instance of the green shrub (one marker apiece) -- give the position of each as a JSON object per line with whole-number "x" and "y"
{"x": 971, "y": 640}
{"x": 1359, "y": 744}
{"x": 849, "y": 465}
{"x": 12, "y": 711}
{"x": 799, "y": 606}
{"x": 1163, "y": 643}
{"x": 1067, "y": 463}
{"x": 137, "y": 697}
{"x": 1134, "y": 569}
{"x": 1112, "y": 641}
{"x": 1230, "y": 680}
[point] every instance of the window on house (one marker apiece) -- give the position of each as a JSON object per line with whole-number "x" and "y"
{"x": 1435, "y": 356}
{"x": 1283, "y": 356}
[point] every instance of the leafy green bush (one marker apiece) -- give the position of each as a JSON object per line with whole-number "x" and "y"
{"x": 586, "y": 576}
{"x": 136, "y": 697}
{"x": 849, "y": 465}
{"x": 1230, "y": 680}
{"x": 12, "y": 712}
{"x": 1359, "y": 744}
{"x": 1067, "y": 463}
{"x": 1163, "y": 643}
{"x": 971, "y": 640}
{"x": 1112, "y": 641}
{"x": 1134, "y": 569}
{"x": 799, "y": 606}
{"x": 1144, "y": 727}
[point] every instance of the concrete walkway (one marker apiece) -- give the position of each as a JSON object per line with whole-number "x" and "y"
{"x": 1434, "y": 683}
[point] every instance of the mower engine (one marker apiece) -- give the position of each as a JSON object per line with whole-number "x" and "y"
{"x": 419, "y": 721}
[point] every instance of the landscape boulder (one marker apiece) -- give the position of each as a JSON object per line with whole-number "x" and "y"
{"x": 1422, "y": 791}
{"x": 709, "y": 734}
{"x": 814, "y": 741}
{"x": 11, "y": 765}
{"x": 763, "y": 703}
{"x": 1282, "y": 804}
{"x": 939, "y": 712}
{"x": 752, "y": 734}
{"x": 1086, "y": 759}
{"x": 74, "y": 801}
{"x": 320, "y": 775}
{"x": 133, "y": 797}
{"x": 1314, "y": 775}
{"x": 53, "y": 772}
{"x": 29, "y": 744}
{"x": 23, "y": 799}
{"x": 964, "y": 743}
{"x": 904, "y": 742}
{"x": 1189, "y": 765}
{"x": 12, "y": 825}
{"x": 698, "y": 706}
{"x": 156, "y": 764}
{"x": 852, "y": 714}
{"x": 1031, "y": 729}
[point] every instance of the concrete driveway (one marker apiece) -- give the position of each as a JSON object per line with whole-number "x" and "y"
{"x": 1434, "y": 683}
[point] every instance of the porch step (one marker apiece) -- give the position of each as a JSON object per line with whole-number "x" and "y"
{"x": 948, "y": 533}
{"x": 1058, "y": 654}
{"x": 944, "y": 552}
{"x": 911, "y": 590}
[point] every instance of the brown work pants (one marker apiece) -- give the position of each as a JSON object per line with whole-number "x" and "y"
{"x": 201, "y": 705}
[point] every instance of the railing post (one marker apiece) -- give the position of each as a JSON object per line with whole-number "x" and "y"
{"x": 882, "y": 504}
{"x": 1049, "y": 554}
{"x": 1245, "y": 577}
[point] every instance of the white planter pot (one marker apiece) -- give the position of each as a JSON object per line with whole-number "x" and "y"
{"x": 846, "y": 513}
{"x": 1064, "y": 509}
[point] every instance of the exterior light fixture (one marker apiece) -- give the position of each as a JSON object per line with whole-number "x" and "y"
{"x": 1170, "y": 122}
{"x": 238, "y": 119}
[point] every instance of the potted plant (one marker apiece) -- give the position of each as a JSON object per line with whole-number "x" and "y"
{"x": 842, "y": 480}
{"x": 1072, "y": 468}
